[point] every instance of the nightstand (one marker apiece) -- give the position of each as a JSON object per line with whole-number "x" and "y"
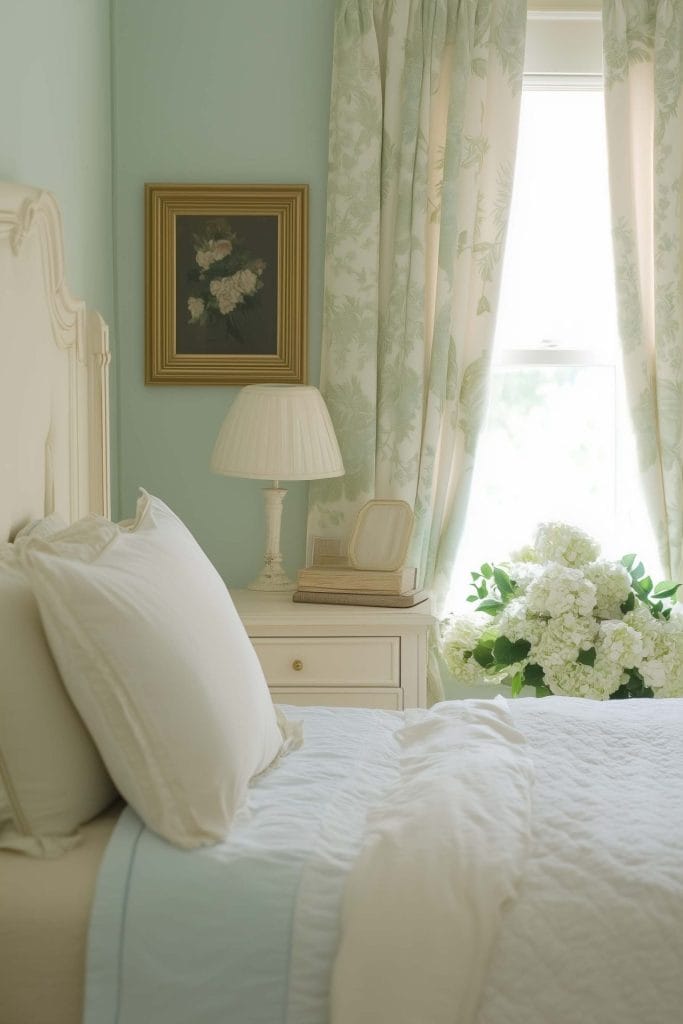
{"x": 338, "y": 655}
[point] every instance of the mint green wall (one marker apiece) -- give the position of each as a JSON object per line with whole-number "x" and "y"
{"x": 55, "y": 115}
{"x": 211, "y": 91}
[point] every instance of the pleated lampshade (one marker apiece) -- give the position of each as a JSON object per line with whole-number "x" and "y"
{"x": 278, "y": 432}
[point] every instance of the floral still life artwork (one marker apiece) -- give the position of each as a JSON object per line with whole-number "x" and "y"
{"x": 226, "y": 286}
{"x": 559, "y": 618}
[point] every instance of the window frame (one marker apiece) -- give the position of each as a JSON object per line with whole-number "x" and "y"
{"x": 546, "y": 31}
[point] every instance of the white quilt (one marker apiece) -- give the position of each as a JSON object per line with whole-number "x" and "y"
{"x": 595, "y": 935}
{"x": 430, "y": 933}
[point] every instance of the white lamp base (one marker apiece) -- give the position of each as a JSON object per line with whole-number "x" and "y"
{"x": 272, "y": 575}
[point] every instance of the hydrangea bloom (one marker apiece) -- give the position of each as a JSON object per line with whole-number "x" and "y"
{"x": 613, "y": 585}
{"x": 559, "y": 590}
{"x": 576, "y": 680}
{"x": 557, "y": 542}
{"x": 666, "y": 681}
{"x": 524, "y": 554}
{"x": 461, "y": 636}
{"x": 620, "y": 643}
{"x": 562, "y": 639}
{"x": 560, "y": 610}
{"x": 463, "y": 631}
{"x": 523, "y": 573}
{"x": 516, "y": 623}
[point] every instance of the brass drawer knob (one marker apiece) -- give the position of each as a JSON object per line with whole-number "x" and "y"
{"x": 297, "y": 665}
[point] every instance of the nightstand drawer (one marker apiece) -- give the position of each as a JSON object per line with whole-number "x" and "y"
{"x": 330, "y": 661}
{"x": 334, "y": 697}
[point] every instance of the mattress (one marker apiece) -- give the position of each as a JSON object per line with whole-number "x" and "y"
{"x": 44, "y": 912}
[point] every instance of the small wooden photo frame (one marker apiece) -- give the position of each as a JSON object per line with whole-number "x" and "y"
{"x": 381, "y": 535}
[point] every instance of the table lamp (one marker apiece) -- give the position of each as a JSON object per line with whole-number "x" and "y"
{"x": 277, "y": 432}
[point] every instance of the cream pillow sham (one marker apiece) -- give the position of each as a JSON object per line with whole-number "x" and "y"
{"x": 158, "y": 663}
{"x": 51, "y": 777}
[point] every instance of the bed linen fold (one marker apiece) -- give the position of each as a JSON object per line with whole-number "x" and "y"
{"x": 443, "y": 853}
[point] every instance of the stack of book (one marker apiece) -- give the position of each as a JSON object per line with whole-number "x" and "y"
{"x": 341, "y": 584}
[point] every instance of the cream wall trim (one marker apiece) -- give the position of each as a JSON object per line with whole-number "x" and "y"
{"x": 54, "y": 360}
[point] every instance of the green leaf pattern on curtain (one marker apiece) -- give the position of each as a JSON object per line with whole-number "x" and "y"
{"x": 643, "y": 57}
{"x": 424, "y": 115}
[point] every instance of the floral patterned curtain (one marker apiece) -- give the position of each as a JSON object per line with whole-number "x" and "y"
{"x": 643, "y": 58}
{"x": 424, "y": 116}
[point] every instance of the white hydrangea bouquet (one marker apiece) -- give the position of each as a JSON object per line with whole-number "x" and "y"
{"x": 561, "y": 619}
{"x": 226, "y": 278}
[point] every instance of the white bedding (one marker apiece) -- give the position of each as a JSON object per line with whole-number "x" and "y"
{"x": 442, "y": 857}
{"x": 596, "y": 932}
{"x": 248, "y": 931}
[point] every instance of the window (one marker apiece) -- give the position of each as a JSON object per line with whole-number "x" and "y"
{"x": 557, "y": 442}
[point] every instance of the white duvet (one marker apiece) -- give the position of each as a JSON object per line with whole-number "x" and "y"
{"x": 469, "y": 903}
{"x": 492, "y": 863}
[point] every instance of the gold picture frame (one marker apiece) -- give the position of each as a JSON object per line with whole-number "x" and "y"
{"x": 226, "y": 284}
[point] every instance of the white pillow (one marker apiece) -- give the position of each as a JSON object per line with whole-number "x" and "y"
{"x": 158, "y": 663}
{"x": 51, "y": 777}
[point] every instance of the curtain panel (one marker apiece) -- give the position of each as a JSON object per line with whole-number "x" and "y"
{"x": 423, "y": 130}
{"x": 643, "y": 59}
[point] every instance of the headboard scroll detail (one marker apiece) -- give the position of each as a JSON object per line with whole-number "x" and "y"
{"x": 54, "y": 369}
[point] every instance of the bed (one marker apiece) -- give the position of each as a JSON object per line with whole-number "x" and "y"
{"x": 485, "y": 861}
{"x": 54, "y": 458}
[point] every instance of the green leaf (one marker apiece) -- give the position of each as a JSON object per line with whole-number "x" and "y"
{"x": 482, "y": 590}
{"x": 587, "y": 657}
{"x": 490, "y": 606}
{"x": 640, "y": 590}
{"x": 503, "y": 583}
{"x": 638, "y": 572}
{"x": 629, "y": 604}
{"x": 646, "y": 584}
{"x": 507, "y": 653}
{"x": 473, "y": 597}
{"x": 633, "y": 687}
{"x": 475, "y": 576}
{"x": 533, "y": 674}
{"x": 516, "y": 684}
{"x": 482, "y": 655}
{"x": 487, "y": 571}
{"x": 667, "y": 613}
{"x": 543, "y": 691}
{"x": 665, "y": 589}
{"x": 628, "y": 560}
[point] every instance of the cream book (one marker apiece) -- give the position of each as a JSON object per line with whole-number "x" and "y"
{"x": 408, "y": 600}
{"x": 344, "y": 579}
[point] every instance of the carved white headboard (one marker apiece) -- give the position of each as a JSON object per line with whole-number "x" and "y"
{"x": 54, "y": 360}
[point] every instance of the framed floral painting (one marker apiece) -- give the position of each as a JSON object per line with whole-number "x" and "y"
{"x": 226, "y": 284}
